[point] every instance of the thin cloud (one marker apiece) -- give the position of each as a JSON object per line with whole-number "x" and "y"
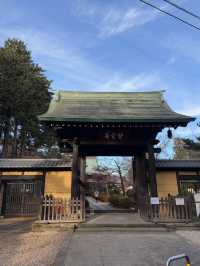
{"x": 134, "y": 83}
{"x": 191, "y": 131}
{"x": 116, "y": 21}
{"x": 191, "y": 111}
{"x": 71, "y": 65}
{"x": 112, "y": 20}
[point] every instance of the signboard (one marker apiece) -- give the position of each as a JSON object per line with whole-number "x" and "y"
{"x": 180, "y": 201}
{"x": 154, "y": 200}
{"x": 197, "y": 201}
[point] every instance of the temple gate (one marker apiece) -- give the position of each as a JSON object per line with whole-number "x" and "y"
{"x": 112, "y": 124}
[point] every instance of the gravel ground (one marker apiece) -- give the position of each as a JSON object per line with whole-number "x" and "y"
{"x": 19, "y": 246}
{"x": 31, "y": 248}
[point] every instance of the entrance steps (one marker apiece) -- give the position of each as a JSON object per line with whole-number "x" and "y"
{"x": 113, "y": 211}
{"x": 145, "y": 228}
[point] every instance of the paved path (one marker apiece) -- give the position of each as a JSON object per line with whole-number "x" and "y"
{"x": 117, "y": 218}
{"x": 98, "y": 205}
{"x": 130, "y": 249}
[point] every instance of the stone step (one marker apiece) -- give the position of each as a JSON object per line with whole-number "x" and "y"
{"x": 114, "y": 211}
{"x": 123, "y": 225}
{"x": 123, "y": 229}
{"x": 87, "y": 227}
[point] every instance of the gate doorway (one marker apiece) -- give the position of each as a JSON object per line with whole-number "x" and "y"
{"x": 22, "y": 198}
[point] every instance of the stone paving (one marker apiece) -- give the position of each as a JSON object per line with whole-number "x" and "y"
{"x": 131, "y": 249}
{"x": 98, "y": 205}
{"x": 117, "y": 219}
{"x": 21, "y": 247}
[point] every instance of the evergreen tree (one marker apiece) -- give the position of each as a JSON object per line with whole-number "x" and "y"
{"x": 24, "y": 94}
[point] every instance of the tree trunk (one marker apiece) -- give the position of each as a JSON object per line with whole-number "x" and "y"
{"x": 5, "y": 140}
{"x": 121, "y": 178}
{"x": 122, "y": 184}
{"x": 14, "y": 145}
{"x": 22, "y": 143}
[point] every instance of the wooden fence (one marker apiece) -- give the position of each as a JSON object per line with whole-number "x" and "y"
{"x": 168, "y": 211}
{"x": 62, "y": 210}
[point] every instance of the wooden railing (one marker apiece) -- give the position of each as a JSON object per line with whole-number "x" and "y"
{"x": 168, "y": 211}
{"x": 62, "y": 210}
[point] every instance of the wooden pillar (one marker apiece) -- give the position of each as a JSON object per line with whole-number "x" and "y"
{"x": 75, "y": 191}
{"x": 82, "y": 168}
{"x": 152, "y": 170}
{"x": 140, "y": 178}
{"x": 2, "y": 186}
{"x": 82, "y": 175}
{"x": 133, "y": 170}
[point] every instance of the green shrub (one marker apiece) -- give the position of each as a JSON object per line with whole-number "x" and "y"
{"x": 126, "y": 203}
{"x": 121, "y": 202}
{"x": 131, "y": 193}
{"x": 114, "y": 199}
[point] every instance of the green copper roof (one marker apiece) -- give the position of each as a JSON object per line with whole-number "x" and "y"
{"x": 78, "y": 106}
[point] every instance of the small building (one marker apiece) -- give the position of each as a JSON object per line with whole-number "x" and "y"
{"x": 177, "y": 177}
{"x": 24, "y": 181}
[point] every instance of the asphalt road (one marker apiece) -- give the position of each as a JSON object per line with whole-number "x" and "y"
{"x": 127, "y": 249}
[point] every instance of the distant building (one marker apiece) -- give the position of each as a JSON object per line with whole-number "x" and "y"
{"x": 91, "y": 164}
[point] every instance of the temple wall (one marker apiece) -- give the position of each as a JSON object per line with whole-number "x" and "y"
{"x": 166, "y": 183}
{"x": 20, "y": 173}
{"x": 58, "y": 183}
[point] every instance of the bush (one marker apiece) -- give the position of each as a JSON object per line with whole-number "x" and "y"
{"x": 103, "y": 196}
{"x": 121, "y": 202}
{"x": 114, "y": 200}
{"x": 126, "y": 203}
{"x": 131, "y": 193}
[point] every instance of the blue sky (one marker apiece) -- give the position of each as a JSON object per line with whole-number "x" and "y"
{"x": 111, "y": 46}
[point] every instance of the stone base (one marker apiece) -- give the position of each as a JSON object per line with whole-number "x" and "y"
{"x": 42, "y": 227}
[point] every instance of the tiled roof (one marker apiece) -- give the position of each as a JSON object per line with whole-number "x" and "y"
{"x": 33, "y": 164}
{"x": 7, "y": 164}
{"x": 111, "y": 107}
{"x": 178, "y": 164}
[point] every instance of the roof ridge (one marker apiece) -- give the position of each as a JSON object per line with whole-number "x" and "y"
{"x": 110, "y": 92}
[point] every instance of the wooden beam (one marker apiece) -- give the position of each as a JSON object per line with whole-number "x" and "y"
{"x": 152, "y": 170}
